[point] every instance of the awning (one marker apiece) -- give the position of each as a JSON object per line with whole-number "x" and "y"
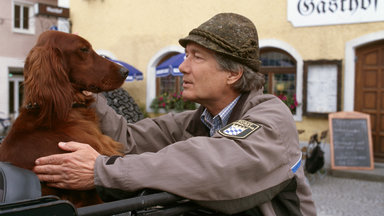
{"x": 170, "y": 66}
{"x": 133, "y": 74}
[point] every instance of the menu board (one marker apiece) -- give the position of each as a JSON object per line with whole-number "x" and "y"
{"x": 351, "y": 141}
{"x": 321, "y": 87}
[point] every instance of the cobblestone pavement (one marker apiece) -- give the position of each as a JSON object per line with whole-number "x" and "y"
{"x": 335, "y": 196}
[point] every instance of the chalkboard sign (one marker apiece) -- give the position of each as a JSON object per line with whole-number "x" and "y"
{"x": 351, "y": 141}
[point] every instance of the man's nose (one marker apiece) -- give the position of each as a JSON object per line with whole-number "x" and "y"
{"x": 183, "y": 66}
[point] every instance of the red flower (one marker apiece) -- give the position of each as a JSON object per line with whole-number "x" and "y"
{"x": 290, "y": 101}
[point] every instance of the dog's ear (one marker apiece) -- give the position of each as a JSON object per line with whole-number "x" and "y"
{"x": 47, "y": 86}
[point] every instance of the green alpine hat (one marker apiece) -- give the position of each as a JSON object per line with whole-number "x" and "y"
{"x": 230, "y": 34}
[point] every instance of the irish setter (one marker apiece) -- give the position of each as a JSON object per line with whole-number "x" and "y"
{"x": 57, "y": 69}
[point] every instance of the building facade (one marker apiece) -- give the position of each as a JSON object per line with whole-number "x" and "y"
{"x": 21, "y": 22}
{"x": 327, "y": 54}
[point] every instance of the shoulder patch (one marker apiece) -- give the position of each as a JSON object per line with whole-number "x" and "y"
{"x": 239, "y": 129}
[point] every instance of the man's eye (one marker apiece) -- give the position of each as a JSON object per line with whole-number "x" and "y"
{"x": 198, "y": 57}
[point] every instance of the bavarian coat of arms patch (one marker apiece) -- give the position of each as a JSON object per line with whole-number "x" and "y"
{"x": 239, "y": 129}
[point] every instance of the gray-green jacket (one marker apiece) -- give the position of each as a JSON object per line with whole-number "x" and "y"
{"x": 229, "y": 172}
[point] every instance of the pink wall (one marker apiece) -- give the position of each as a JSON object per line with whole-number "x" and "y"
{"x": 17, "y": 45}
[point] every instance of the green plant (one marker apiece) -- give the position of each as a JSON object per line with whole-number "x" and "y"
{"x": 169, "y": 102}
{"x": 144, "y": 111}
{"x": 290, "y": 101}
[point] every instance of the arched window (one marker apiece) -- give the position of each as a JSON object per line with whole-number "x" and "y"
{"x": 279, "y": 69}
{"x": 169, "y": 84}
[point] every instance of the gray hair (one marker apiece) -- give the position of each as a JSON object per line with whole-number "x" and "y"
{"x": 250, "y": 80}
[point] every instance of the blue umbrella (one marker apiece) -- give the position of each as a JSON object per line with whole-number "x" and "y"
{"x": 134, "y": 74}
{"x": 170, "y": 66}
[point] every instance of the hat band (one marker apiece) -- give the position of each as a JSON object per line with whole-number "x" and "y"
{"x": 219, "y": 41}
{"x": 250, "y": 47}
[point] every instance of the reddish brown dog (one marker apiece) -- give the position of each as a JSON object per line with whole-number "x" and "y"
{"x": 56, "y": 71}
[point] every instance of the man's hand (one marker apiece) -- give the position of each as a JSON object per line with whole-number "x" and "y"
{"x": 72, "y": 170}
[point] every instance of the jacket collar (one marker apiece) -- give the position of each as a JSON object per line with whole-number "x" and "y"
{"x": 197, "y": 128}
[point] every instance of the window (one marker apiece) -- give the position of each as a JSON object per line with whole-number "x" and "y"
{"x": 170, "y": 84}
{"x": 279, "y": 69}
{"x": 16, "y": 91}
{"x": 23, "y": 18}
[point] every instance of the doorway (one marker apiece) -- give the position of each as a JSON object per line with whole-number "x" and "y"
{"x": 369, "y": 91}
{"x": 16, "y": 92}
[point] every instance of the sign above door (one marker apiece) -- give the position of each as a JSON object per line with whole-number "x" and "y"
{"x": 303, "y": 13}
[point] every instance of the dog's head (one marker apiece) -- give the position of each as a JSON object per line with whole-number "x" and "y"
{"x": 59, "y": 67}
{"x": 83, "y": 67}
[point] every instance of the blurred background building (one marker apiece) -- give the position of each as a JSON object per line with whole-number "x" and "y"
{"x": 21, "y": 22}
{"x": 326, "y": 55}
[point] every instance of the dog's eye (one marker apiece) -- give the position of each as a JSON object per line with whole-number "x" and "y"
{"x": 84, "y": 49}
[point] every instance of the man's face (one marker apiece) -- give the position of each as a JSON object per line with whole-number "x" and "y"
{"x": 203, "y": 81}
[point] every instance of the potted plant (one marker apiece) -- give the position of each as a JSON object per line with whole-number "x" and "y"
{"x": 290, "y": 101}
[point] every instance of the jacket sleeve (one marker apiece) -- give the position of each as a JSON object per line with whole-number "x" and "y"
{"x": 111, "y": 123}
{"x": 147, "y": 135}
{"x": 210, "y": 169}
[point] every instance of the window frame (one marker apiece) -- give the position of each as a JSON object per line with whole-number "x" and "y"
{"x": 272, "y": 70}
{"x": 31, "y": 17}
{"x": 16, "y": 94}
{"x": 178, "y": 79}
{"x": 177, "y": 87}
{"x": 277, "y": 70}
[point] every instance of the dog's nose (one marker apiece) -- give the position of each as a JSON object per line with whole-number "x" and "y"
{"x": 124, "y": 72}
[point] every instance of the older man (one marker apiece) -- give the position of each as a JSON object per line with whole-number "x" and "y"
{"x": 238, "y": 153}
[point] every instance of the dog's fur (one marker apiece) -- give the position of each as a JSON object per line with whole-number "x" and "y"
{"x": 57, "y": 69}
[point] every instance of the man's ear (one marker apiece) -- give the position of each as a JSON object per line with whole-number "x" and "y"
{"x": 234, "y": 76}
